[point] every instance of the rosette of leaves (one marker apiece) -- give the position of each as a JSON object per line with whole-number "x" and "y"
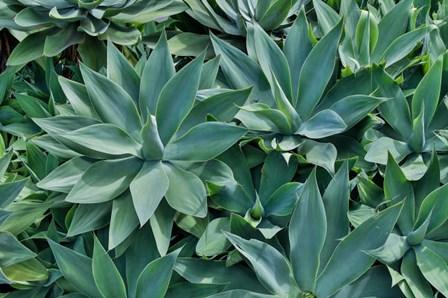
{"x": 319, "y": 241}
{"x": 126, "y": 165}
{"x": 416, "y": 251}
{"x": 290, "y": 106}
{"x": 239, "y": 182}
{"x": 415, "y": 127}
{"x": 52, "y": 26}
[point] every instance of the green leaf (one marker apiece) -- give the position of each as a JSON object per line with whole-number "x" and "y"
{"x": 236, "y": 277}
{"x": 271, "y": 267}
{"x": 136, "y": 261}
{"x": 4, "y": 162}
{"x": 29, "y": 49}
{"x": 107, "y": 278}
{"x": 36, "y": 160}
{"x": 213, "y": 241}
{"x": 151, "y": 177}
{"x": 26, "y": 271}
{"x": 418, "y": 137}
{"x": 380, "y": 148}
{"x": 223, "y": 106}
{"x": 326, "y": 16}
{"x": 323, "y": 124}
{"x": 414, "y": 277}
{"x": 396, "y": 110}
{"x": 186, "y": 192}
{"x": 297, "y": 47}
{"x": 336, "y": 203}
{"x": 391, "y": 251}
{"x": 64, "y": 177}
{"x": 209, "y": 73}
{"x": 203, "y": 142}
{"x": 62, "y": 124}
{"x": 105, "y": 138}
{"x": 186, "y": 289}
{"x": 275, "y": 14}
{"x": 426, "y": 96}
{"x": 13, "y": 251}
{"x": 152, "y": 148}
{"x": 78, "y": 97}
{"x": 123, "y": 220}
{"x": 121, "y": 72}
{"x": 353, "y": 109}
{"x": 391, "y": 26}
{"x": 369, "y": 235}
{"x": 158, "y": 70}
{"x": 418, "y": 233}
{"x": 102, "y": 182}
{"x": 33, "y": 107}
{"x": 162, "y": 225}
{"x": 404, "y": 44}
{"x": 429, "y": 182}
{"x": 240, "y": 70}
{"x": 320, "y": 154}
{"x": 76, "y": 268}
{"x": 155, "y": 278}
{"x": 111, "y": 102}
{"x": 435, "y": 202}
{"x": 272, "y": 60}
{"x": 58, "y": 42}
{"x": 276, "y": 172}
{"x": 316, "y": 72}
{"x": 283, "y": 200}
{"x": 307, "y": 232}
{"x": 261, "y": 117}
{"x": 284, "y": 104}
{"x": 177, "y": 99}
{"x": 396, "y": 189}
{"x": 377, "y": 276}
{"x": 89, "y": 218}
{"x": 10, "y": 191}
{"x": 433, "y": 267}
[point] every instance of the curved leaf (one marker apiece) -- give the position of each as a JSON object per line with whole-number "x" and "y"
{"x": 203, "y": 142}
{"x": 102, "y": 182}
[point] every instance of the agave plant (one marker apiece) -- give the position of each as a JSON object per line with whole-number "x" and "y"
{"x": 416, "y": 249}
{"x": 290, "y": 107}
{"x": 132, "y": 161}
{"x": 412, "y": 136}
{"x": 52, "y": 26}
{"x": 266, "y": 203}
{"x": 311, "y": 267}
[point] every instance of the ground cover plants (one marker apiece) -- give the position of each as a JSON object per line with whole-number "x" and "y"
{"x": 212, "y": 148}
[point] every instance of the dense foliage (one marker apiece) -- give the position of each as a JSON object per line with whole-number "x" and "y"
{"x": 224, "y": 148}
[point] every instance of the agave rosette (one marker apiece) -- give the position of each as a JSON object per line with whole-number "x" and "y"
{"x": 294, "y": 108}
{"x": 132, "y": 161}
{"x": 418, "y": 242}
{"x": 312, "y": 267}
{"x": 52, "y": 26}
{"x": 414, "y": 128}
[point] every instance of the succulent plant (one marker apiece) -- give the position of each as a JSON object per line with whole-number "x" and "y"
{"x": 107, "y": 132}
{"x": 52, "y": 26}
